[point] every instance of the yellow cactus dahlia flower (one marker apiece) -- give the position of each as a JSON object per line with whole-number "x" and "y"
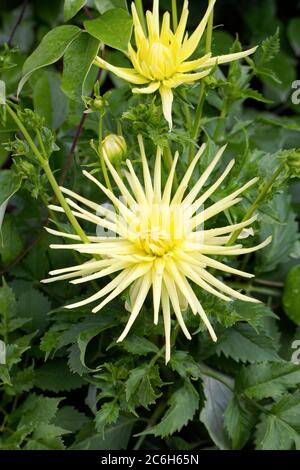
{"x": 160, "y": 60}
{"x": 156, "y": 241}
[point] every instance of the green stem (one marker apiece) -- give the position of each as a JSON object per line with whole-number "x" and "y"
{"x": 168, "y": 160}
{"x": 209, "y": 31}
{"x": 25, "y": 134}
{"x": 267, "y": 282}
{"x": 221, "y": 120}
{"x": 63, "y": 203}
{"x": 156, "y": 414}
{"x": 46, "y": 167}
{"x": 100, "y": 152}
{"x": 174, "y": 15}
{"x": 205, "y": 370}
{"x": 260, "y": 198}
{"x": 41, "y": 143}
{"x": 198, "y": 117}
{"x": 250, "y": 288}
{"x": 140, "y": 12}
{"x": 186, "y": 110}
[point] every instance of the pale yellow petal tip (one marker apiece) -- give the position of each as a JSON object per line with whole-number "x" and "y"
{"x": 69, "y": 307}
{"x": 86, "y": 173}
{"x": 100, "y": 62}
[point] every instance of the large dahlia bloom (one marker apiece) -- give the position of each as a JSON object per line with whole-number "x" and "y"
{"x": 160, "y": 58}
{"x": 156, "y": 241}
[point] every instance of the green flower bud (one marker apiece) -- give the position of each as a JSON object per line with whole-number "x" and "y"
{"x": 99, "y": 103}
{"x": 292, "y": 162}
{"x": 211, "y": 82}
{"x": 114, "y": 147}
{"x": 94, "y": 104}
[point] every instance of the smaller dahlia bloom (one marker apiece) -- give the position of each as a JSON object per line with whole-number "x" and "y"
{"x": 160, "y": 59}
{"x": 157, "y": 242}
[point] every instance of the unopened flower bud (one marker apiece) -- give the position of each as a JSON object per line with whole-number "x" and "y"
{"x": 211, "y": 81}
{"x": 292, "y": 162}
{"x": 98, "y": 103}
{"x": 114, "y": 147}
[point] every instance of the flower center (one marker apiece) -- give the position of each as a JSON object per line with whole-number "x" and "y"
{"x": 160, "y": 61}
{"x": 155, "y": 242}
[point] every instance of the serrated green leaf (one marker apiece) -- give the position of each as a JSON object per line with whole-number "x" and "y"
{"x": 182, "y": 406}
{"x": 23, "y": 381}
{"x": 78, "y": 60}
{"x": 248, "y": 93}
{"x": 141, "y": 386}
{"x": 4, "y": 375}
{"x": 184, "y": 365}
{"x": 72, "y": 7}
{"x": 52, "y": 47}
{"x": 243, "y": 343}
{"x": 291, "y": 295}
{"x": 279, "y": 428}
{"x": 105, "y": 320}
{"x": 217, "y": 397}
{"x": 15, "y": 350}
{"x": 254, "y": 314}
{"x": 267, "y": 380}
{"x": 34, "y": 305}
{"x": 49, "y": 341}
{"x": 46, "y": 437}
{"x": 70, "y": 419}
{"x": 273, "y": 434}
{"x": 108, "y": 414}
{"x": 138, "y": 345}
{"x": 55, "y": 376}
{"x": 116, "y": 437}
{"x": 74, "y": 361}
{"x": 36, "y": 410}
{"x": 113, "y": 28}
{"x": 86, "y": 336}
{"x": 16, "y": 323}
{"x": 270, "y": 47}
{"x": 239, "y": 421}
{"x": 284, "y": 232}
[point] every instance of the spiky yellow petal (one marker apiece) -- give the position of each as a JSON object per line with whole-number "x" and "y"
{"x": 157, "y": 242}
{"x": 160, "y": 57}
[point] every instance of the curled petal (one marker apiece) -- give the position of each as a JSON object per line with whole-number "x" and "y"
{"x": 129, "y": 75}
{"x": 167, "y": 101}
